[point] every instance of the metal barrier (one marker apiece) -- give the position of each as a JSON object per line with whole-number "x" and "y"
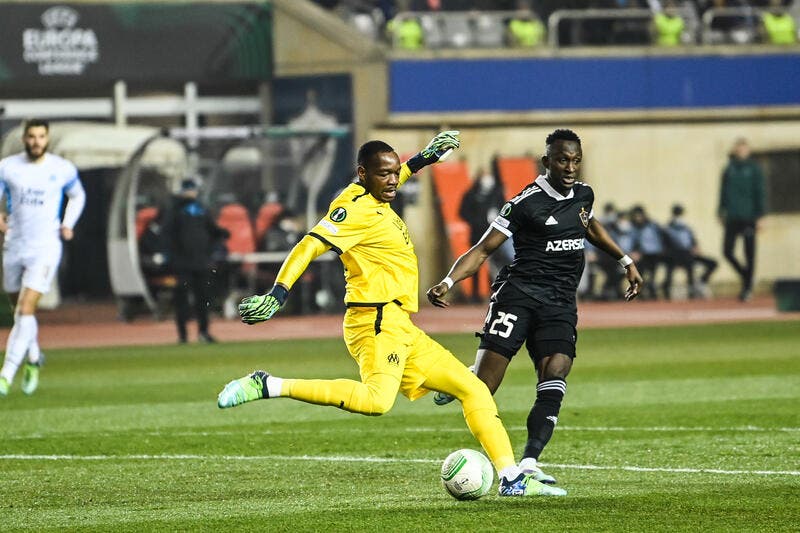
{"x": 631, "y": 14}
{"x": 743, "y": 34}
{"x": 579, "y": 15}
{"x": 488, "y": 29}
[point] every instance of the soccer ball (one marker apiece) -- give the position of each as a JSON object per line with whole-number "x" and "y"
{"x": 467, "y": 475}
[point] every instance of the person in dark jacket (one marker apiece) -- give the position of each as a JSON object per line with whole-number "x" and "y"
{"x": 742, "y": 202}
{"x": 649, "y": 248}
{"x": 191, "y": 234}
{"x": 684, "y": 253}
{"x": 479, "y": 206}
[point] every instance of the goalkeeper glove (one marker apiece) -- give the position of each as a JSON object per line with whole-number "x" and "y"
{"x": 259, "y": 308}
{"x": 437, "y": 150}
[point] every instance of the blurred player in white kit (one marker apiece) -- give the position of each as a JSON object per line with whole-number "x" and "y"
{"x": 33, "y": 184}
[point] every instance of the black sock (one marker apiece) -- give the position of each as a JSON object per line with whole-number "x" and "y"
{"x": 544, "y": 415}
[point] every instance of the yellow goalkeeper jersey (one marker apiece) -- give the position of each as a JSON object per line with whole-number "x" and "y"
{"x": 373, "y": 244}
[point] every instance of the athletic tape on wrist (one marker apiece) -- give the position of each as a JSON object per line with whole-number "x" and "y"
{"x": 625, "y": 260}
{"x": 449, "y": 282}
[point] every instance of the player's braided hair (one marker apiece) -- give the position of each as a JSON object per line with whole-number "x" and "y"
{"x": 369, "y": 149}
{"x": 562, "y": 135}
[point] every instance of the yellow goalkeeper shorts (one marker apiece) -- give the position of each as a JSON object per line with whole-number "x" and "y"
{"x": 383, "y": 340}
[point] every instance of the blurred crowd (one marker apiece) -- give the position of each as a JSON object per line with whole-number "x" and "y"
{"x": 424, "y": 24}
{"x": 659, "y": 249}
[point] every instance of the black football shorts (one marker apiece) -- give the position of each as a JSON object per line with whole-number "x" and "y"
{"x": 514, "y": 317}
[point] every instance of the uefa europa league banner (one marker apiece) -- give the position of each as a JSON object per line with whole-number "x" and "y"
{"x": 147, "y": 42}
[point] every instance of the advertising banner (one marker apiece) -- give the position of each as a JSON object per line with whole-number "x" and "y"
{"x": 135, "y": 42}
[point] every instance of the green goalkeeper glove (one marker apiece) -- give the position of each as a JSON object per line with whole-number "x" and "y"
{"x": 259, "y": 308}
{"x": 437, "y": 150}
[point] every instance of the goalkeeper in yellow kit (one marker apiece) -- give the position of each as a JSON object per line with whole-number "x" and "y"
{"x": 382, "y": 286}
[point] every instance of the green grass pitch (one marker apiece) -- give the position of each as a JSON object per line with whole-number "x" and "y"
{"x": 663, "y": 429}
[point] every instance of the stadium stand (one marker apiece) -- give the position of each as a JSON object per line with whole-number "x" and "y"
{"x": 569, "y": 25}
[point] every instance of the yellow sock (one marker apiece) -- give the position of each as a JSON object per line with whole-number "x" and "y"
{"x": 480, "y": 412}
{"x": 375, "y": 397}
{"x": 487, "y": 427}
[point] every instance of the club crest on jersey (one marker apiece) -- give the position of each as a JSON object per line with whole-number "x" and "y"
{"x": 505, "y": 210}
{"x": 338, "y": 214}
{"x": 584, "y": 216}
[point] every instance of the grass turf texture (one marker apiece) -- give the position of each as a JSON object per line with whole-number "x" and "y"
{"x": 131, "y": 440}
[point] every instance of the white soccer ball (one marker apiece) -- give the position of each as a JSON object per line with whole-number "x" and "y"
{"x": 467, "y": 474}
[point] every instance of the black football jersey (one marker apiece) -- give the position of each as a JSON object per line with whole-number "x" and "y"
{"x": 548, "y": 230}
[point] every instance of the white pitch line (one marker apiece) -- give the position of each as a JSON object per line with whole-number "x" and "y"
{"x": 633, "y": 429}
{"x": 606, "y": 429}
{"x": 677, "y": 470}
{"x": 194, "y": 457}
{"x": 349, "y": 459}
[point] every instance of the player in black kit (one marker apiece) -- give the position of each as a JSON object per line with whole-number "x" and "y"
{"x": 534, "y": 298}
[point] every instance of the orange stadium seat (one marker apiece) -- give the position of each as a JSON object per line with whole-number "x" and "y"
{"x": 267, "y": 214}
{"x": 236, "y": 219}
{"x": 516, "y": 173}
{"x": 144, "y": 217}
{"x": 451, "y": 181}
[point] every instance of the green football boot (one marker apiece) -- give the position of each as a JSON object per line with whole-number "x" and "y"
{"x": 30, "y": 378}
{"x": 3, "y": 388}
{"x": 242, "y": 390}
{"x": 538, "y": 475}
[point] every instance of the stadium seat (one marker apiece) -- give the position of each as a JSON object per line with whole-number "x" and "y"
{"x": 267, "y": 214}
{"x": 489, "y": 31}
{"x": 144, "y": 216}
{"x": 433, "y": 32}
{"x": 457, "y": 30}
{"x": 364, "y": 23}
{"x": 516, "y": 173}
{"x": 451, "y": 181}
{"x": 235, "y": 218}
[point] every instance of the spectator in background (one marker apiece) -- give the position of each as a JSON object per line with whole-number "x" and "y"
{"x": 620, "y": 229}
{"x": 190, "y": 235}
{"x": 525, "y": 29}
{"x": 284, "y": 233}
{"x": 668, "y": 25}
{"x": 742, "y": 202}
{"x": 684, "y": 253}
{"x": 649, "y": 248}
{"x": 778, "y": 26}
{"x": 479, "y": 207}
{"x": 404, "y": 30}
{"x": 589, "y": 276}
